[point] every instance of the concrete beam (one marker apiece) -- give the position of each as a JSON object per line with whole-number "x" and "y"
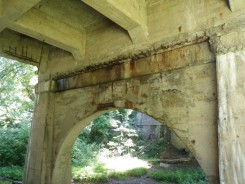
{"x": 162, "y": 62}
{"x": 130, "y": 14}
{"x": 16, "y": 46}
{"x": 53, "y": 31}
{"x": 236, "y": 4}
{"x": 10, "y": 10}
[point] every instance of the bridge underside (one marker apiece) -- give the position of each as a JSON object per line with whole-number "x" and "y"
{"x": 180, "y": 62}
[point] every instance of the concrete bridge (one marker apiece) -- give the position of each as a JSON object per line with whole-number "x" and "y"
{"x": 181, "y": 62}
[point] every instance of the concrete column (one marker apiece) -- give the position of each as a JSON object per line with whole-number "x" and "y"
{"x": 40, "y": 156}
{"x": 231, "y": 99}
{"x": 39, "y": 159}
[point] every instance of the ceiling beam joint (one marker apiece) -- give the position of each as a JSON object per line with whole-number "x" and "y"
{"x": 130, "y": 15}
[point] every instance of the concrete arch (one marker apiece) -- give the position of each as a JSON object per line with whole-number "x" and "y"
{"x": 62, "y": 167}
{"x": 62, "y": 174}
{"x": 174, "y": 99}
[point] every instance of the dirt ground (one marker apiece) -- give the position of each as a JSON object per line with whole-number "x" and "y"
{"x": 141, "y": 180}
{"x": 146, "y": 180}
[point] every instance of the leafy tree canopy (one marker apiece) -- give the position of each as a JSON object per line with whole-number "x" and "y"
{"x": 17, "y": 92}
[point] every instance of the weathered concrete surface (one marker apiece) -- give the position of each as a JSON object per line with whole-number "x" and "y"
{"x": 176, "y": 99}
{"x": 22, "y": 48}
{"x": 44, "y": 28}
{"x": 59, "y": 23}
{"x": 93, "y": 64}
{"x": 231, "y": 80}
{"x": 166, "y": 61}
{"x": 10, "y": 10}
{"x": 172, "y": 92}
{"x": 229, "y": 47}
{"x": 38, "y": 165}
{"x": 130, "y": 14}
{"x": 236, "y": 4}
{"x": 38, "y": 168}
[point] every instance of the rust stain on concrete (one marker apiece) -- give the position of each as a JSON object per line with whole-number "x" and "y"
{"x": 104, "y": 106}
{"x": 129, "y": 105}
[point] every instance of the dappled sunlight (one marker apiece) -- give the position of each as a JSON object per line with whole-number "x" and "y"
{"x": 112, "y": 167}
{"x": 123, "y": 163}
{"x": 114, "y": 147}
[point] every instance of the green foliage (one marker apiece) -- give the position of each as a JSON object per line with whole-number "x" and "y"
{"x": 16, "y": 107}
{"x": 17, "y": 93}
{"x": 5, "y": 182}
{"x": 137, "y": 172}
{"x": 100, "y": 129}
{"x": 84, "y": 153}
{"x": 12, "y": 172}
{"x": 13, "y": 144}
{"x": 180, "y": 176}
{"x": 101, "y": 174}
{"x": 154, "y": 149}
{"x": 112, "y": 132}
{"x": 85, "y": 175}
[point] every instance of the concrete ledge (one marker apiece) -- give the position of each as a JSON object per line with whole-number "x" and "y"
{"x": 161, "y": 62}
{"x": 45, "y": 86}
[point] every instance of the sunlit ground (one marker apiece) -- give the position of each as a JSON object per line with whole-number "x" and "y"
{"x": 116, "y": 164}
{"x": 111, "y": 167}
{"x": 123, "y": 163}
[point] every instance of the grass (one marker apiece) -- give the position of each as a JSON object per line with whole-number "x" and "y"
{"x": 5, "y": 182}
{"x": 180, "y": 176}
{"x": 100, "y": 174}
{"x": 12, "y": 172}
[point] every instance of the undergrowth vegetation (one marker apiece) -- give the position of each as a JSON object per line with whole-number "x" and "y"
{"x": 16, "y": 108}
{"x": 111, "y": 134}
{"x": 12, "y": 172}
{"x": 180, "y": 176}
{"x": 100, "y": 174}
{"x": 13, "y": 144}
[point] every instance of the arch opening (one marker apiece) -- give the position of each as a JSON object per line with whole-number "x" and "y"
{"x": 164, "y": 145}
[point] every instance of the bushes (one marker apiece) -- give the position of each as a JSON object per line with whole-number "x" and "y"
{"x": 12, "y": 172}
{"x": 84, "y": 153}
{"x": 13, "y": 144}
{"x": 180, "y": 176}
{"x": 154, "y": 149}
{"x": 111, "y": 133}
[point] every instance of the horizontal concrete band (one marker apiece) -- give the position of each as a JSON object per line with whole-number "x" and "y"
{"x": 162, "y": 62}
